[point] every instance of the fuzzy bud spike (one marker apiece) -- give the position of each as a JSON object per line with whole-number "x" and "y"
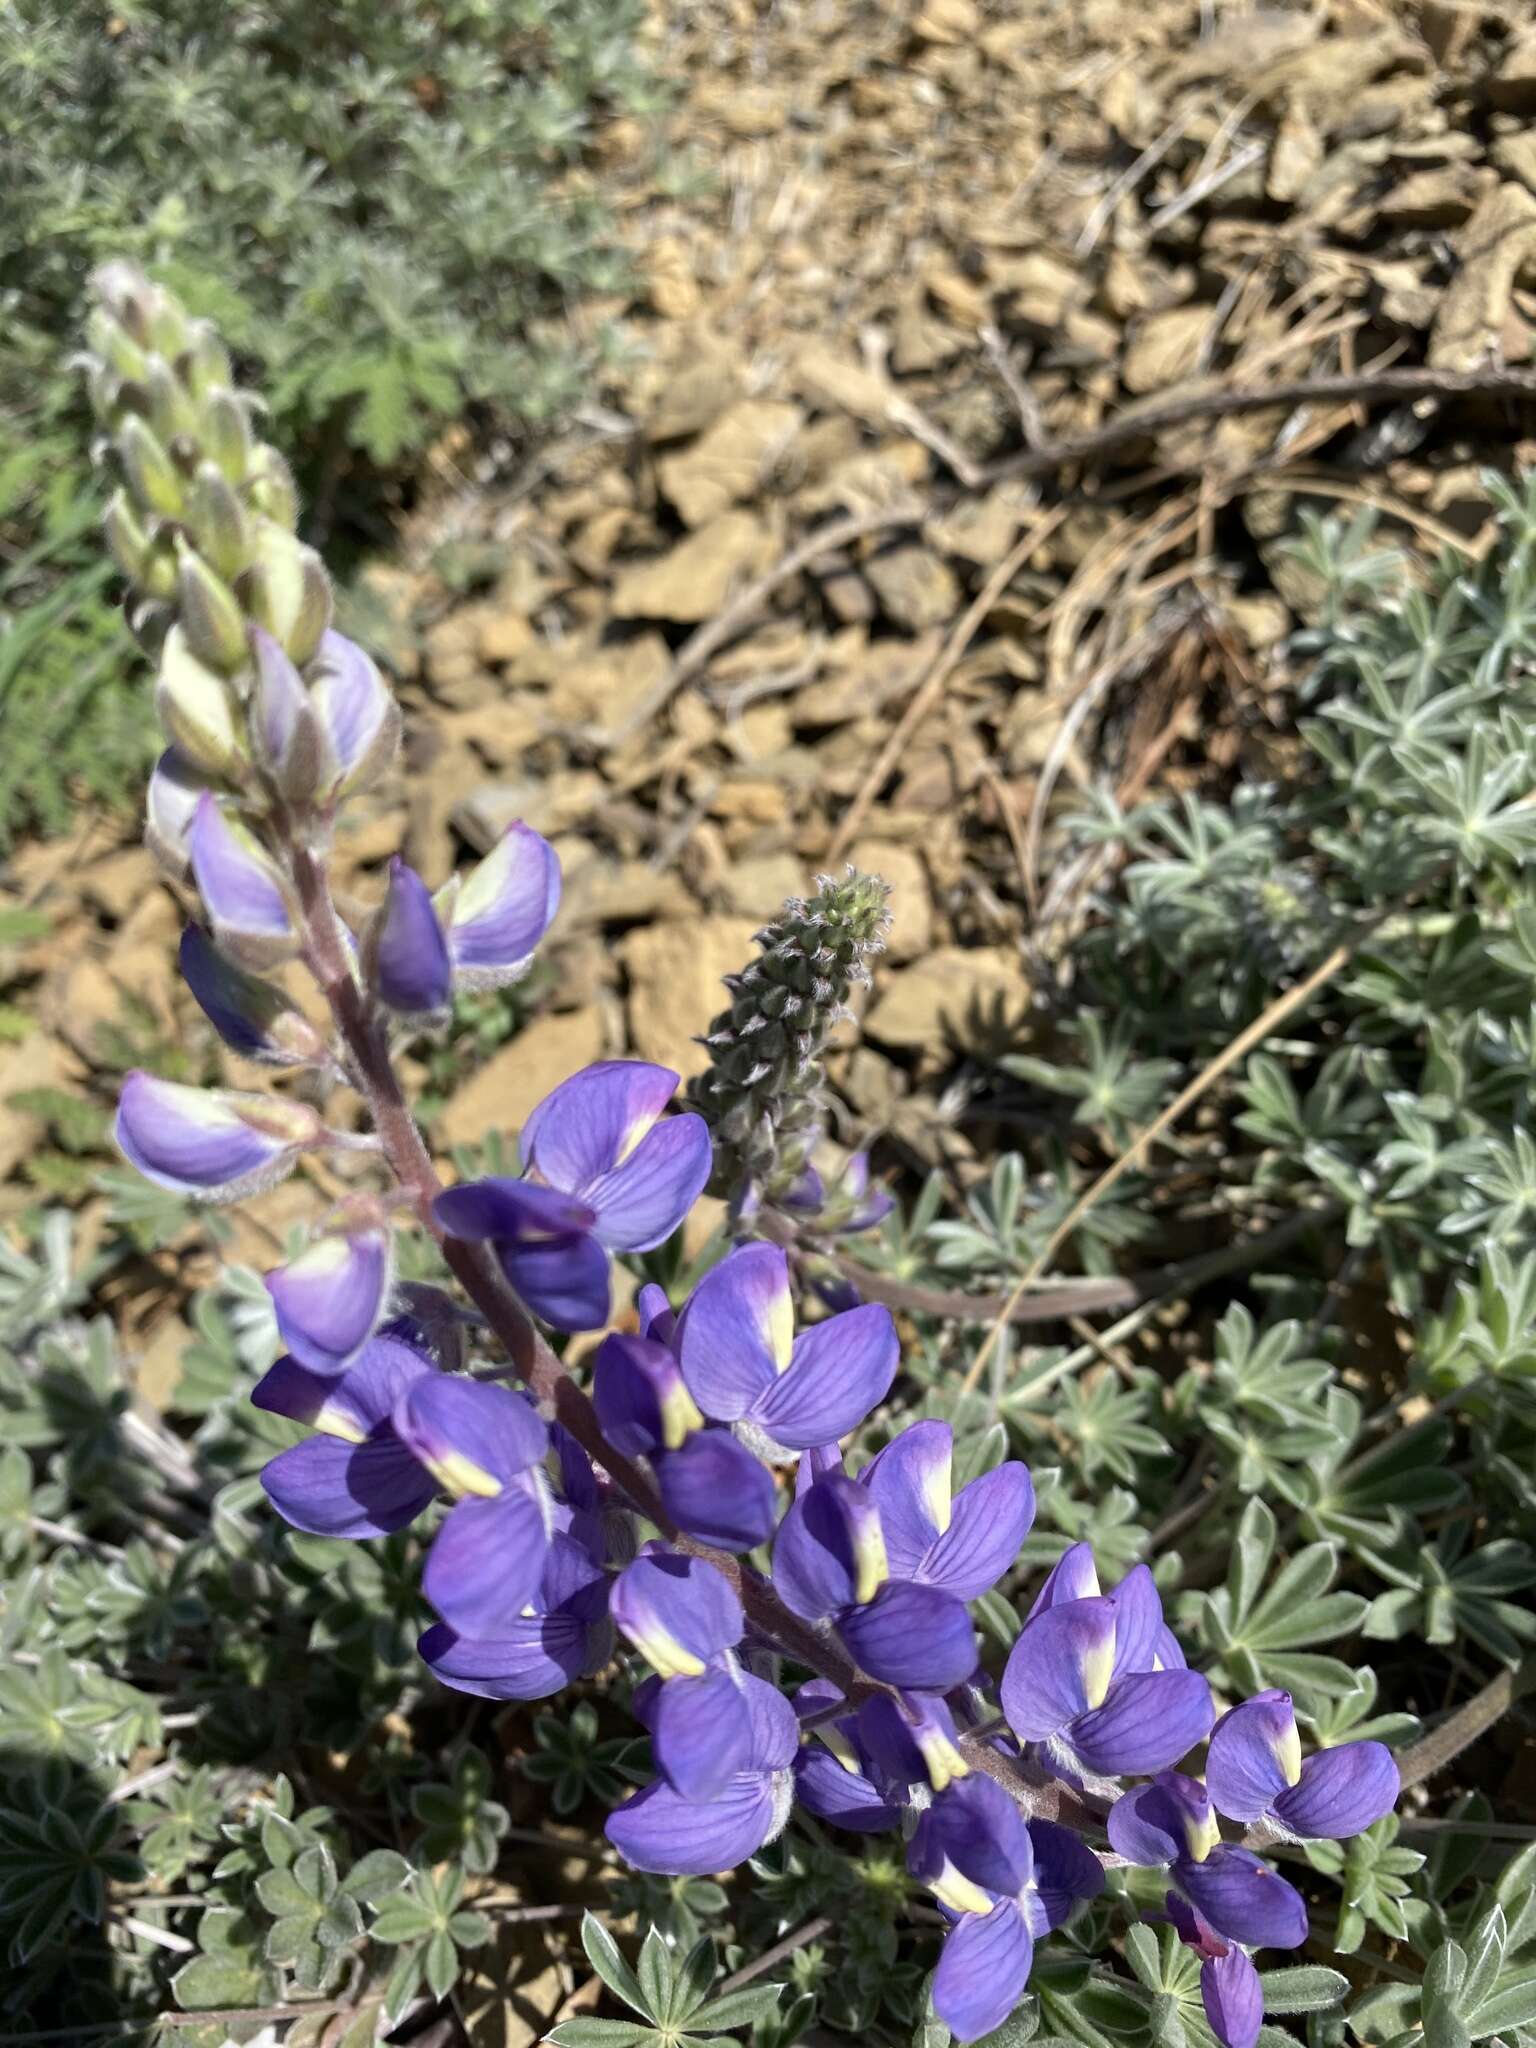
{"x": 210, "y": 616}
{"x": 762, "y": 1093}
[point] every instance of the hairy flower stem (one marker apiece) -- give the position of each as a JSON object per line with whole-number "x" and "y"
{"x": 363, "y": 1035}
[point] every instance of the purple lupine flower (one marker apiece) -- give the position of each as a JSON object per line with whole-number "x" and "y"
{"x": 1229, "y": 1984}
{"x": 500, "y": 911}
{"x": 1001, "y": 1884}
{"x": 356, "y": 1478}
{"x": 830, "y": 1566}
{"x": 285, "y": 732}
{"x": 1083, "y": 1681}
{"x": 911, "y": 1739}
{"x": 217, "y": 1144}
{"x": 331, "y": 1298}
{"x": 849, "y": 1206}
{"x": 357, "y": 716}
{"x": 710, "y": 1484}
{"x": 242, "y": 891}
{"x": 170, "y": 804}
{"x": 1075, "y": 1576}
{"x": 251, "y": 1016}
{"x": 1254, "y": 1771}
{"x": 482, "y": 1443}
{"x": 962, "y": 1544}
{"x": 562, "y": 1634}
{"x": 743, "y": 1363}
{"x": 1170, "y": 1823}
{"x": 686, "y": 1620}
{"x": 611, "y": 1176}
{"x": 833, "y": 1770}
{"x": 396, "y": 1432}
{"x": 660, "y": 1830}
{"x": 407, "y": 950}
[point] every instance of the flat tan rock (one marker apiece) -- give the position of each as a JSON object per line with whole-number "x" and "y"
{"x": 1496, "y": 241}
{"x": 730, "y": 459}
{"x": 911, "y": 932}
{"x": 518, "y": 1077}
{"x": 1165, "y": 348}
{"x": 948, "y": 1001}
{"x": 675, "y": 983}
{"x": 37, "y": 1062}
{"x": 916, "y": 587}
{"x": 699, "y": 575}
{"x": 759, "y": 888}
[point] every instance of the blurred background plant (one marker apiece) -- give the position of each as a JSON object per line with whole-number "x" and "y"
{"x": 385, "y": 210}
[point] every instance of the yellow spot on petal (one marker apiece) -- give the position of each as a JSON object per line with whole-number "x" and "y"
{"x": 937, "y": 1494}
{"x": 871, "y": 1564}
{"x": 680, "y": 1416}
{"x": 666, "y": 1655}
{"x": 1201, "y": 1834}
{"x": 335, "y": 1420}
{"x": 842, "y": 1749}
{"x": 1098, "y": 1669}
{"x": 955, "y": 1890}
{"x": 779, "y": 1328}
{"x": 457, "y": 1474}
{"x": 944, "y": 1761}
{"x": 1287, "y": 1748}
{"x": 631, "y": 1138}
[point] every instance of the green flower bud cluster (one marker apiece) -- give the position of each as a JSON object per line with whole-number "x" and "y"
{"x": 231, "y": 604}
{"x": 764, "y": 1092}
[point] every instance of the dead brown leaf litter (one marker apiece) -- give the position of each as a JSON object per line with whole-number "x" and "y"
{"x": 926, "y": 240}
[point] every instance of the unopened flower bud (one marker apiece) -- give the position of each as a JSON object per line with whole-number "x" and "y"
{"x": 211, "y": 617}
{"x": 110, "y": 340}
{"x": 169, "y": 328}
{"x": 217, "y": 522}
{"x": 149, "y": 470}
{"x": 359, "y": 718}
{"x": 287, "y": 590}
{"x": 331, "y": 1298}
{"x": 285, "y": 730}
{"x": 271, "y": 489}
{"x": 227, "y": 436}
{"x": 252, "y": 1017}
{"x": 242, "y": 891}
{"x": 195, "y": 708}
{"x": 406, "y": 955}
{"x": 171, "y": 412}
{"x": 205, "y": 366}
{"x": 170, "y": 806}
{"x": 217, "y": 1144}
{"x": 127, "y": 537}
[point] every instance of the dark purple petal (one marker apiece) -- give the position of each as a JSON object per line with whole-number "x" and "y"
{"x": 534, "y": 1656}
{"x": 990, "y": 1520}
{"x": 840, "y": 1794}
{"x": 657, "y": 1318}
{"x": 408, "y": 953}
{"x": 565, "y": 1283}
{"x": 330, "y": 1299}
{"x": 486, "y": 1562}
{"x": 1170, "y": 1653}
{"x": 474, "y": 1435}
{"x": 661, "y": 1831}
{"x": 504, "y": 908}
{"x": 1147, "y": 1722}
{"x": 1066, "y": 1873}
{"x": 355, "y": 709}
{"x": 593, "y": 1122}
{"x": 910, "y": 1481}
{"x": 976, "y": 1831}
{"x": 829, "y": 1549}
{"x": 251, "y": 1016}
{"x": 700, "y": 1734}
{"x": 1193, "y": 1931}
{"x": 1255, "y": 1755}
{"x": 330, "y": 1487}
{"x": 643, "y": 1201}
{"x": 1342, "y": 1791}
{"x": 910, "y": 1740}
{"x": 1244, "y": 1899}
{"x": 775, "y": 1725}
{"x": 837, "y": 1373}
{"x": 640, "y": 1396}
{"x": 1138, "y": 1621}
{"x": 1164, "y": 1822}
{"x": 1072, "y": 1577}
{"x": 677, "y": 1611}
{"x": 217, "y": 1144}
{"x": 983, "y": 1970}
{"x": 1059, "y": 1668}
{"x": 1233, "y": 1998}
{"x": 912, "y": 1635}
{"x": 737, "y": 1334}
{"x": 714, "y": 1488}
{"x": 573, "y": 1580}
{"x": 514, "y": 1211}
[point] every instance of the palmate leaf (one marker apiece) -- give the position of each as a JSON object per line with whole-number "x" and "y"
{"x": 1444, "y": 1594}
{"x": 1265, "y": 1634}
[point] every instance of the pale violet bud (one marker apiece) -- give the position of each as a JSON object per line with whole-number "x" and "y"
{"x": 358, "y": 715}
{"x": 174, "y": 789}
{"x": 285, "y": 730}
{"x": 407, "y": 954}
{"x": 287, "y": 590}
{"x": 196, "y": 709}
{"x": 217, "y": 1144}
{"x": 152, "y": 476}
{"x": 211, "y": 620}
{"x": 503, "y": 908}
{"x": 331, "y": 1298}
{"x": 241, "y": 889}
{"x": 252, "y": 1017}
